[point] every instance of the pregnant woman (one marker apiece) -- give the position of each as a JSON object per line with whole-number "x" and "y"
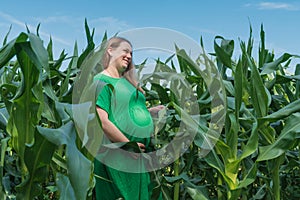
{"x": 124, "y": 118}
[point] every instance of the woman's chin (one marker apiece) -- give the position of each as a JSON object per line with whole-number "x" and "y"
{"x": 124, "y": 69}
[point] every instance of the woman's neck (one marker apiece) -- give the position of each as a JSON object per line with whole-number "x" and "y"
{"x": 112, "y": 72}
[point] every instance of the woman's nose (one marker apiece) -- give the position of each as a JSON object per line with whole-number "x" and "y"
{"x": 128, "y": 56}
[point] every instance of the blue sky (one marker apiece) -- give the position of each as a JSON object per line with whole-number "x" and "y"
{"x": 64, "y": 20}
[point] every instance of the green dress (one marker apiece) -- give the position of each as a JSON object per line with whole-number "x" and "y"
{"x": 119, "y": 175}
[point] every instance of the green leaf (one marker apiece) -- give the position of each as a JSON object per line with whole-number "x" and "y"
{"x": 65, "y": 187}
{"x": 162, "y": 93}
{"x": 37, "y": 160}
{"x": 50, "y": 49}
{"x": 3, "y": 150}
{"x": 213, "y": 160}
{"x": 274, "y": 66}
{"x": 224, "y": 52}
{"x": 26, "y": 107}
{"x": 252, "y": 143}
{"x": 281, "y": 79}
{"x": 49, "y": 111}
{"x": 66, "y": 81}
{"x": 262, "y": 50}
{"x": 186, "y": 64}
{"x": 75, "y": 160}
{"x": 8, "y": 50}
{"x": 82, "y": 116}
{"x": 86, "y": 119}
{"x": 172, "y": 179}
{"x": 249, "y": 177}
{"x": 6, "y": 36}
{"x": 91, "y": 45}
{"x": 64, "y": 111}
{"x": 40, "y": 56}
{"x": 232, "y": 136}
{"x": 4, "y": 116}
{"x": 238, "y": 88}
{"x": 261, "y": 98}
{"x": 196, "y": 194}
{"x": 297, "y": 73}
{"x": 282, "y": 113}
{"x": 230, "y": 168}
{"x": 286, "y": 139}
{"x": 229, "y": 87}
{"x": 178, "y": 85}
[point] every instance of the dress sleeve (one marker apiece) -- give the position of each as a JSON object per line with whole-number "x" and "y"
{"x": 104, "y": 97}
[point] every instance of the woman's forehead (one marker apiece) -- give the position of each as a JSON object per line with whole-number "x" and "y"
{"x": 125, "y": 44}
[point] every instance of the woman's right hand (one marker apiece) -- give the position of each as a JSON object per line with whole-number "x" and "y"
{"x": 141, "y": 146}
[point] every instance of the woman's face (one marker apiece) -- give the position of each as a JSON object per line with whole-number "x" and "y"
{"x": 121, "y": 56}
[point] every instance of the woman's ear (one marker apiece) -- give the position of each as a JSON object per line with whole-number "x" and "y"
{"x": 109, "y": 51}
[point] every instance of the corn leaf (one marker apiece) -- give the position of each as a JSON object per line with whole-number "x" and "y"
{"x": 274, "y": 66}
{"x": 37, "y": 159}
{"x": 75, "y": 160}
{"x": 286, "y": 139}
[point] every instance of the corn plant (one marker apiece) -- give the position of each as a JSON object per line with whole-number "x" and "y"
{"x": 41, "y": 155}
{"x": 258, "y": 148}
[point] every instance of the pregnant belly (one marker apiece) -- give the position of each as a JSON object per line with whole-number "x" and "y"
{"x": 140, "y": 116}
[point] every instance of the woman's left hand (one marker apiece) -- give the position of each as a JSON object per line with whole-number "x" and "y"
{"x": 155, "y": 109}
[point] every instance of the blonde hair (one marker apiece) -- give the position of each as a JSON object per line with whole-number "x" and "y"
{"x": 129, "y": 73}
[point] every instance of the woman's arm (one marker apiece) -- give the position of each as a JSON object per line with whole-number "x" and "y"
{"x": 111, "y": 131}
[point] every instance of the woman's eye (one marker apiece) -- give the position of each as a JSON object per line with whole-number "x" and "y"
{"x": 126, "y": 51}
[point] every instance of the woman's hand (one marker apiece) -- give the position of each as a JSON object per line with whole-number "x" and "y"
{"x": 138, "y": 155}
{"x": 141, "y": 146}
{"x": 155, "y": 109}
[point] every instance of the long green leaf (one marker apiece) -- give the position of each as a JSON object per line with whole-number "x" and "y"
{"x": 40, "y": 54}
{"x": 238, "y": 88}
{"x": 261, "y": 98}
{"x": 75, "y": 160}
{"x": 37, "y": 160}
{"x": 25, "y": 107}
{"x": 282, "y": 113}
{"x": 196, "y": 194}
{"x": 252, "y": 143}
{"x": 224, "y": 52}
{"x": 3, "y": 149}
{"x": 90, "y": 44}
{"x": 65, "y": 187}
{"x": 286, "y": 139}
{"x": 8, "y": 50}
{"x": 274, "y": 66}
{"x": 297, "y": 73}
{"x": 249, "y": 177}
{"x": 213, "y": 160}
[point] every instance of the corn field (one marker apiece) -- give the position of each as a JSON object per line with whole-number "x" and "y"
{"x": 255, "y": 109}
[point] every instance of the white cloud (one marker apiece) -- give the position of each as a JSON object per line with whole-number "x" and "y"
{"x": 273, "y": 5}
{"x": 204, "y": 30}
{"x": 64, "y": 30}
{"x": 13, "y": 21}
{"x": 109, "y": 24}
{"x": 268, "y": 5}
{"x": 57, "y": 19}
